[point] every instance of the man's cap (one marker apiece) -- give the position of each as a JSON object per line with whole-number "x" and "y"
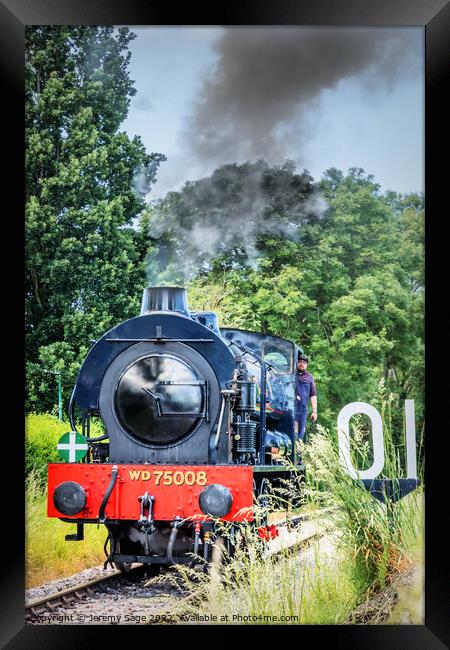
{"x": 302, "y": 357}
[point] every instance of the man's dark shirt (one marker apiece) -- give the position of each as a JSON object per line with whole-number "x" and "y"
{"x": 305, "y": 388}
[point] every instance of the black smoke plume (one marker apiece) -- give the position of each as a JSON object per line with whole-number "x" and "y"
{"x": 254, "y": 102}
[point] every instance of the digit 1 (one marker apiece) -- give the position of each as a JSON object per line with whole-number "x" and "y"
{"x": 410, "y": 432}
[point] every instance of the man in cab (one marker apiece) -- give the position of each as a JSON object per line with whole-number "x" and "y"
{"x": 304, "y": 393}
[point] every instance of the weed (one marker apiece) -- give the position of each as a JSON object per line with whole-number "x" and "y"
{"x": 378, "y": 536}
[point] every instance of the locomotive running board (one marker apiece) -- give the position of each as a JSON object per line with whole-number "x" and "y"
{"x": 271, "y": 469}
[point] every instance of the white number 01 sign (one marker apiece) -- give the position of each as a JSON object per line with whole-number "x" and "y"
{"x": 343, "y": 422}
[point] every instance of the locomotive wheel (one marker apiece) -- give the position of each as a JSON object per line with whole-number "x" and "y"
{"x": 125, "y": 567}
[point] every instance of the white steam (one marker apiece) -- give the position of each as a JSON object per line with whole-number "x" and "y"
{"x": 233, "y": 214}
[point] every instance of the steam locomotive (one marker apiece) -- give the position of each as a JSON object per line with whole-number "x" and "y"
{"x": 198, "y": 420}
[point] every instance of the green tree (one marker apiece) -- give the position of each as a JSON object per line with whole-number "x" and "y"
{"x": 348, "y": 287}
{"x": 84, "y": 187}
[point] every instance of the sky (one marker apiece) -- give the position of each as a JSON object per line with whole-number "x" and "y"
{"x": 322, "y": 97}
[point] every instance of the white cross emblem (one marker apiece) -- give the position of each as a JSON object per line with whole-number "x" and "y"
{"x": 72, "y": 447}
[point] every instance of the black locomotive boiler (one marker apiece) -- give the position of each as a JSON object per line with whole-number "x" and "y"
{"x": 188, "y": 436}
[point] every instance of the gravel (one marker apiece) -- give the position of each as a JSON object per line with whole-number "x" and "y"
{"x": 66, "y": 583}
{"x": 129, "y": 600}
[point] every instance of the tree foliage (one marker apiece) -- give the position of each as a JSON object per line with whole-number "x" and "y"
{"x": 83, "y": 176}
{"x": 348, "y": 288}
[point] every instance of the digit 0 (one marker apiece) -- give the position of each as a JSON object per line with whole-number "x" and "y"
{"x": 189, "y": 478}
{"x": 178, "y": 478}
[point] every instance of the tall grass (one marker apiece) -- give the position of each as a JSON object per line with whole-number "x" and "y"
{"x": 378, "y": 537}
{"x": 253, "y": 588}
{"x": 48, "y": 555}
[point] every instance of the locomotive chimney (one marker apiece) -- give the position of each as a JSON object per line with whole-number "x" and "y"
{"x": 164, "y": 299}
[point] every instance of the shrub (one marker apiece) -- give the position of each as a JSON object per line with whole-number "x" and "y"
{"x": 42, "y": 433}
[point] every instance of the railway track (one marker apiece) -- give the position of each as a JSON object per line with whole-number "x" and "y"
{"x": 79, "y": 593}
{"x": 57, "y": 605}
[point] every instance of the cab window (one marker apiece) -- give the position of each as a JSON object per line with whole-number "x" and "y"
{"x": 279, "y": 357}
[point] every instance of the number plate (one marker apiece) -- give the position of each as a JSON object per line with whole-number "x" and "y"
{"x": 169, "y": 477}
